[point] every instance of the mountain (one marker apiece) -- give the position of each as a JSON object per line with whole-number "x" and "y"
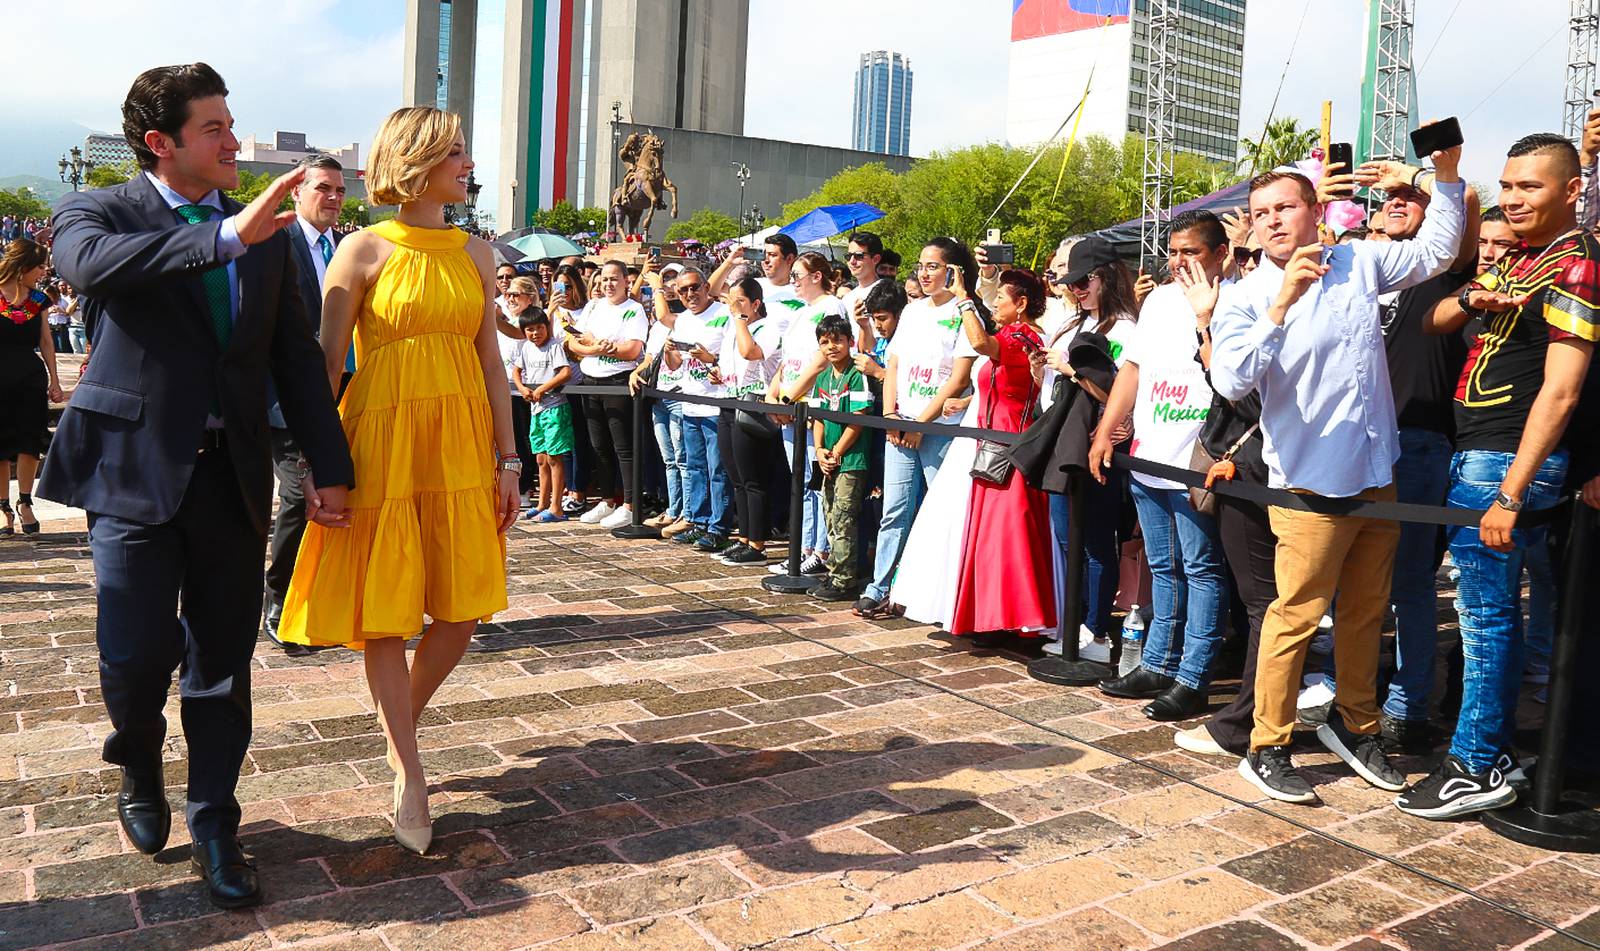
{"x": 48, "y": 189}
{"x": 36, "y": 146}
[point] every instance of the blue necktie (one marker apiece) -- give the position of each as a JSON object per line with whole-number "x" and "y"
{"x": 326, "y": 247}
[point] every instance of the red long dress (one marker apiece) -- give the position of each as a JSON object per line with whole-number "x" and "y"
{"x": 1006, "y": 581}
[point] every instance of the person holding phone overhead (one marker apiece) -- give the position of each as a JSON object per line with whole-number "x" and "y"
{"x": 1304, "y": 329}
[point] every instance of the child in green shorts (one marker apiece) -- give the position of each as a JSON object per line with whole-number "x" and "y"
{"x": 540, "y": 370}
{"x": 841, "y": 454}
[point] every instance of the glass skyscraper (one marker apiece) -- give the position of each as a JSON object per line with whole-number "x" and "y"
{"x": 882, "y": 109}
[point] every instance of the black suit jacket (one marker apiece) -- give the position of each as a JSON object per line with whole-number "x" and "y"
{"x": 126, "y": 444}
{"x": 310, "y": 296}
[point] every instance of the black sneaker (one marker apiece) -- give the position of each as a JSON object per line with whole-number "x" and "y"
{"x": 736, "y": 548}
{"x": 712, "y": 543}
{"x": 814, "y": 565}
{"x": 1511, "y": 768}
{"x": 1270, "y": 770}
{"x": 1362, "y": 752}
{"x": 690, "y": 537}
{"x": 1405, "y": 736}
{"x": 828, "y": 591}
{"x": 1450, "y": 791}
{"x": 749, "y": 556}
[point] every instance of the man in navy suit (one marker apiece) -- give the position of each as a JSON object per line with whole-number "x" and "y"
{"x": 195, "y": 305}
{"x": 318, "y": 199}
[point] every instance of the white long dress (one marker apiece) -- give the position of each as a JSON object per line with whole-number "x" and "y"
{"x": 925, "y": 582}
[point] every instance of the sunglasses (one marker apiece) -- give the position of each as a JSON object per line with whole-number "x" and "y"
{"x": 856, "y": 255}
{"x": 690, "y": 288}
{"x": 1082, "y": 283}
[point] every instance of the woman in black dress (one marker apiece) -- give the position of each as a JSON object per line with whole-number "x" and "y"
{"x": 25, "y": 382}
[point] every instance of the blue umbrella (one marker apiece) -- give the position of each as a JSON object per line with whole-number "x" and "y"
{"x": 829, "y": 220}
{"x": 540, "y": 243}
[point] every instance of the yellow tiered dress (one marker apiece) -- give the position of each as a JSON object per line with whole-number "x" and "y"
{"x": 423, "y": 537}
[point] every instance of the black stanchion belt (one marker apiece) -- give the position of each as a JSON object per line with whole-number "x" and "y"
{"x": 1249, "y": 491}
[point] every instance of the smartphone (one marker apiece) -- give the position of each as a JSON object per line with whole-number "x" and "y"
{"x": 655, "y": 252}
{"x": 559, "y": 287}
{"x": 1343, "y": 154}
{"x": 949, "y": 276}
{"x": 680, "y": 346}
{"x": 998, "y": 254}
{"x": 754, "y": 255}
{"x": 1437, "y": 137}
{"x": 1155, "y": 265}
{"x": 994, "y": 236}
{"x": 1029, "y": 345}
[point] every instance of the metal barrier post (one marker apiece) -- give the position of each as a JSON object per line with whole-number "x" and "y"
{"x": 636, "y": 528}
{"x": 1069, "y": 669}
{"x": 792, "y": 581}
{"x": 1551, "y": 820}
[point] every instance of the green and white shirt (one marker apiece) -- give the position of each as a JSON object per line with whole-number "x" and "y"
{"x": 603, "y": 320}
{"x": 707, "y": 329}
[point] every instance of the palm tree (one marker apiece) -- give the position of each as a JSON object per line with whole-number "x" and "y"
{"x": 1283, "y": 142}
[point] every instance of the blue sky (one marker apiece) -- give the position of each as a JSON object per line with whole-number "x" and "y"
{"x": 331, "y": 68}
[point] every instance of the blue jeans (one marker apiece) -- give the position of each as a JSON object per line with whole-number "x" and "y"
{"x": 907, "y": 473}
{"x": 706, "y": 493}
{"x": 1187, "y": 584}
{"x": 1540, "y": 636}
{"x": 1421, "y": 476}
{"x": 667, "y": 416}
{"x": 1101, "y": 565}
{"x": 813, "y": 516}
{"x": 1489, "y": 601}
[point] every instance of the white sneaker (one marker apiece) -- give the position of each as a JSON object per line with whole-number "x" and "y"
{"x": 619, "y": 517}
{"x": 1089, "y": 647}
{"x": 1314, "y": 702}
{"x": 596, "y": 514}
{"x": 1198, "y": 740}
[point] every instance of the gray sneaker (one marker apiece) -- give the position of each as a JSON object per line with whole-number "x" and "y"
{"x": 1362, "y": 752}
{"x": 1270, "y": 770}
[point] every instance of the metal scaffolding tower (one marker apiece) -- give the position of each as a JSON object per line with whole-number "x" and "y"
{"x": 1160, "y": 95}
{"x": 1583, "y": 18}
{"x": 1394, "y": 85}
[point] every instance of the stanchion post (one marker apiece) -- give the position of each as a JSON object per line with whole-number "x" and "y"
{"x": 1069, "y": 669}
{"x": 792, "y": 581}
{"x": 636, "y": 528}
{"x": 1551, "y": 821}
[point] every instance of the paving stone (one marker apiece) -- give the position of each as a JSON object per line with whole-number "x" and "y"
{"x": 1055, "y": 887}
{"x": 189, "y": 899}
{"x": 767, "y": 916}
{"x": 1093, "y": 929}
{"x": 695, "y": 805}
{"x": 390, "y": 862}
{"x": 324, "y": 752}
{"x": 1072, "y": 834}
{"x": 915, "y": 878}
{"x": 539, "y": 874}
{"x": 949, "y": 823}
{"x": 1234, "y": 935}
{"x": 49, "y": 848}
{"x": 1463, "y": 923}
{"x": 1554, "y": 891}
{"x": 692, "y": 841}
{"x": 415, "y": 900}
{"x": 606, "y": 693}
{"x": 624, "y": 757}
{"x": 850, "y": 808}
{"x": 659, "y": 892}
{"x": 1297, "y": 865}
{"x": 560, "y": 833}
{"x": 578, "y": 794}
{"x": 1338, "y": 910}
{"x": 215, "y": 932}
{"x": 734, "y": 769}
{"x": 944, "y": 922}
{"x": 693, "y": 724}
{"x": 1177, "y": 850}
{"x": 498, "y": 927}
{"x": 48, "y": 922}
{"x": 767, "y": 736}
{"x": 797, "y": 686}
{"x": 697, "y": 701}
{"x": 660, "y": 934}
{"x": 1185, "y": 902}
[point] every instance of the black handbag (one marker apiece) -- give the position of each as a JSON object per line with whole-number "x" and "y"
{"x": 993, "y": 463}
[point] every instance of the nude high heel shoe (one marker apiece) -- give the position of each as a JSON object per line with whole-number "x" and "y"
{"x": 415, "y": 840}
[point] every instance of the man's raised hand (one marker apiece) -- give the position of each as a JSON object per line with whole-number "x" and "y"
{"x": 261, "y": 219}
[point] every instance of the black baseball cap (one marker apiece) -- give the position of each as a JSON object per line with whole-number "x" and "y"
{"x": 1086, "y": 255}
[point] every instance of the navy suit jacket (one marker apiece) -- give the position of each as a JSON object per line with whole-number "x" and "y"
{"x": 126, "y": 444}
{"x": 310, "y": 296}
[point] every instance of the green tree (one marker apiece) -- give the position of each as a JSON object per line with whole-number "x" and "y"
{"x": 22, "y": 203}
{"x": 1283, "y": 142}
{"x": 104, "y": 176}
{"x": 354, "y": 212}
{"x": 252, "y": 184}
{"x": 563, "y": 218}
{"x": 708, "y": 225}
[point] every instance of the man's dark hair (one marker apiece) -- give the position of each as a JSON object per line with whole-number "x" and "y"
{"x": 886, "y": 296}
{"x": 869, "y": 242}
{"x": 1209, "y": 225}
{"x": 1552, "y": 144}
{"x": 534, "y": 316}
{"x": 159, "y": 101}
{"x": 320, "y": 160}
{"x": 1354, "y": 234}
{"x": 784, "y": 243}
{"x": 891, "y": 258}
{"x": 834, "y": 325}
{"x": 1308, "y": 191}
{"x": 1494, "y": 214}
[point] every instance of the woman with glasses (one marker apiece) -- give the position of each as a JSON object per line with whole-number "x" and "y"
{"x": 1101, "y": 287}
{"x": 751, "y": 351}
{"x": 609, "y": 343}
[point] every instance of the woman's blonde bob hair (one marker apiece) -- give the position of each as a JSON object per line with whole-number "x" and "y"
{"x": 407, "y": 147}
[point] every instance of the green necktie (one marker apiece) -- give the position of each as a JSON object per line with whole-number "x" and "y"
{"x": 219, "y": 299}
{"x": 326, "y": 247}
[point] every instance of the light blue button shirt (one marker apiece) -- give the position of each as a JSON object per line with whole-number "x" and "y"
{"x": 229, "y": 247}
{"x": 1327, "y": 408}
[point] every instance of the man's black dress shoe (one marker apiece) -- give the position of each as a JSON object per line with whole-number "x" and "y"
{"x": 1177, "y": 702}
{"x": 270, "y": 627}
{"x": 143, "y": 810}
{"x": 1140, "y": 683}
{"x": 229, "y": 876}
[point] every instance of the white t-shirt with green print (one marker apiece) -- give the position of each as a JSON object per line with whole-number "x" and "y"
{"x": 800, "y": 337}
{"x": 622, "y": 322}
{"x": 707, "y": 329}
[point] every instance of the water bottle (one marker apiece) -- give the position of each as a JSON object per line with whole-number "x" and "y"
{"x": 1132, "y": 640}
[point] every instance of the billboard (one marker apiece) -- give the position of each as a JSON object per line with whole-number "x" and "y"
{"x": 1035, "y": 18}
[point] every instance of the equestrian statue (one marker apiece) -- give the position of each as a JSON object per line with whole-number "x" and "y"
{"x": 634, "y": 202}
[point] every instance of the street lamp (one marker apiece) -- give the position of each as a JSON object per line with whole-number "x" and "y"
{"x": 616, "y": 149}
{"x": 741, "y": 171}
{"x": 74, "y": 171}
{"x": 473, "y": 188}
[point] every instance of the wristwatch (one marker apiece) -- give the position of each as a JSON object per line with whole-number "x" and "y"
{"x": 508, "y": 463}
{"x": 1507, "y": 502}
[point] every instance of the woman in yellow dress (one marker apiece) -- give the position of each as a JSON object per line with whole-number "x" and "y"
{"x": 429, "y": 423}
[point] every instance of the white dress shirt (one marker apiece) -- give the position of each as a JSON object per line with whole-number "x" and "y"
{"x": 312, "y": 237}
{"x": 229, "y": 247}
{"x": 1327, "y": 407}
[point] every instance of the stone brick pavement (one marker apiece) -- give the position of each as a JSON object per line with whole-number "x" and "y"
{"x": 648, "y": 751}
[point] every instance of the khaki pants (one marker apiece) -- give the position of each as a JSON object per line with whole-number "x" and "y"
{"x": 1316, "y": 556}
